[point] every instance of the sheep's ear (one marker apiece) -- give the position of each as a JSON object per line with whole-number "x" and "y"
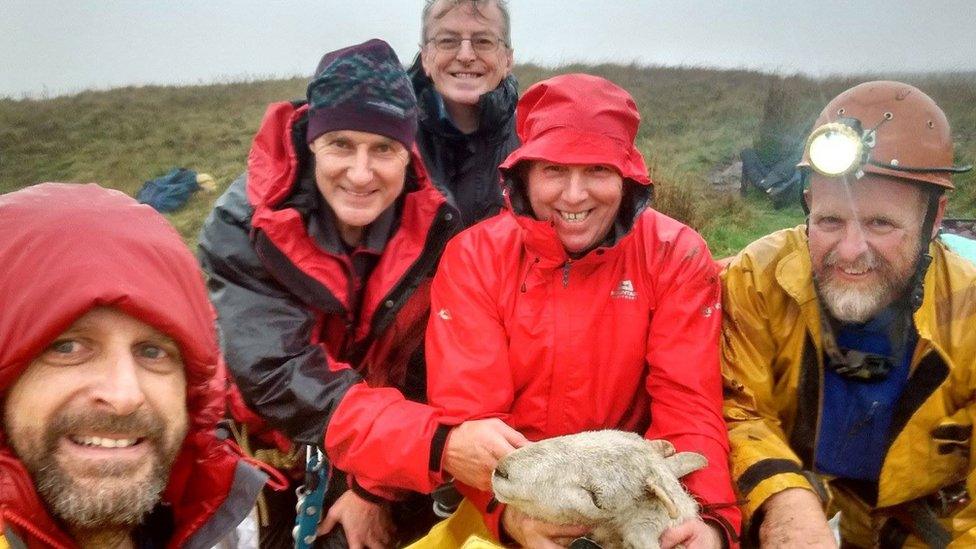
{"x": 683, "y": 463}
{"x": 661, "y": 447}
{"x": 654, "y": 491}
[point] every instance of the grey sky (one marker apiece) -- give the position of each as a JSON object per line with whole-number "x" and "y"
{"x": 53, "y": 47}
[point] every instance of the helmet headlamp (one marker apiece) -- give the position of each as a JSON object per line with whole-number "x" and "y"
{"x": 839, "y": 148}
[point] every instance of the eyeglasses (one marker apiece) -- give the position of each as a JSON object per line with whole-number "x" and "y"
{"x": 482, "y": 43}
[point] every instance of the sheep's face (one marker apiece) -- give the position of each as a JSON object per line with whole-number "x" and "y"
{"x": 574, "y": 479}
{"x": 591, "y": 477}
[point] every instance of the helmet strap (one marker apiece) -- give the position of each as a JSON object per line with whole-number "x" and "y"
{"x": 916, "y": 290}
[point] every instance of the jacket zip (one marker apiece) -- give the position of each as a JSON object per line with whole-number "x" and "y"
{"x": 566, "y": 273}
{"x": 527, "y": 272}
{"x": 440, "y": 232}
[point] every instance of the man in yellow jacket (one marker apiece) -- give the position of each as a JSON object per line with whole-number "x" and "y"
{"x": 849, "y": 345}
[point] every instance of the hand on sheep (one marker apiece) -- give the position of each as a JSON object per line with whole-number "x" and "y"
{"x": 793, "y": 518}
{"x": 692, "y": 534}
{"x": 537, "y": 534}
{"x": 367, "y": 525}
{"x": 474, "y": 448}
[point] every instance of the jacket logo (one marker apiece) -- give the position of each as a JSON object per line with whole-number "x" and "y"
{"x": 624, "y": 291}
{"x": 444, "y": 314}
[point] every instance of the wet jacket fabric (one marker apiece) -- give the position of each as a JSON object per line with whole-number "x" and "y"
{"x": 67, "y": 249}
{"x": 465, "y": 166}
{"x": 624, "y": 337}
{"x": 305, "y": 357}
{"x": 773, "y": 368}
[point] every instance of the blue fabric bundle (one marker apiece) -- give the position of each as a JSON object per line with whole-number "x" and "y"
{"x": 169, "y": 192}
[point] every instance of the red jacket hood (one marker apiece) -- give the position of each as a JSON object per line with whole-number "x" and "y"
{"x": 68, "y": 248}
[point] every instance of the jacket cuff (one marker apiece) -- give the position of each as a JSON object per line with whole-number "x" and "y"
{"x": 729, "y": 536}
{"x": 366, "y": 494}
{"x": 767, "y": 477}
{"x": 437, "y": 445}
{"x": 493, "y": 520}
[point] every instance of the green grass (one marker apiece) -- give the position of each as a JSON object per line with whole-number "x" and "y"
{"x": 694, "y": 119}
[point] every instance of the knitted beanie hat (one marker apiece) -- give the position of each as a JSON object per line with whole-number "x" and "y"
{"x": 362, "y": 88}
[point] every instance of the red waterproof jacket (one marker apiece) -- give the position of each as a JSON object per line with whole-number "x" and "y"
{"x": 306, "y": 357}
{"x": 625, "y": 337}
{"x": 67, "y": 249}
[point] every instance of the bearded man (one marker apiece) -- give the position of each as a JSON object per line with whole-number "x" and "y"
{"x": 848, "y": 363}
{"x": 109, "y": 372}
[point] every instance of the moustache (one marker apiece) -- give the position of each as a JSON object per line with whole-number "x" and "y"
{"x": 866, "y": 261}
{"x": 142, "y": 424}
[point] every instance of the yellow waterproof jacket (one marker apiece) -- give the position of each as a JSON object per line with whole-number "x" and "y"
{"x": 773, "y": 369}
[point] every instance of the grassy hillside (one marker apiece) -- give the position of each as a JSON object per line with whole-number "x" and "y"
{"x": 694, "y": 120}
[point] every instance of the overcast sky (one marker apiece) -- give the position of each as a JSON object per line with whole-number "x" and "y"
{"x": 52, "y": 47}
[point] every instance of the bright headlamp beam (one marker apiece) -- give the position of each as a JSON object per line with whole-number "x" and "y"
{"x": 835, "y": 149}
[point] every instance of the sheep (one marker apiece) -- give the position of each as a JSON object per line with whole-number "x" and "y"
{"x": 622, "y": 485}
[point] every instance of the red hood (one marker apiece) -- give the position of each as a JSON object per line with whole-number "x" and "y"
{"x": 68, "y": 248}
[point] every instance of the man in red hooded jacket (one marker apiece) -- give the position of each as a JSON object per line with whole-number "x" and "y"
{"x": 109, "y": 374}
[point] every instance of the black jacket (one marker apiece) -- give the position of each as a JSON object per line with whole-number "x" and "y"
{"x": 465, "y": 166}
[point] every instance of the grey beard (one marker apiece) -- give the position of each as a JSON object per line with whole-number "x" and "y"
{"x": 90, "y": 505}
{"x": 101, "y": 498}
{"x": 848, "y": 304}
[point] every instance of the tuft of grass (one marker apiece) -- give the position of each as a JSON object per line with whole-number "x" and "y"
{"x": 693, "y": 120}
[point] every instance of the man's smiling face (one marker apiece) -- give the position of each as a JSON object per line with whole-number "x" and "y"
{"x": 462, "y": 76}
{"x": 98, "y": 419}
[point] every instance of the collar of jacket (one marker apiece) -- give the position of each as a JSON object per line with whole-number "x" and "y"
{"x": 794, "y": 273}
{"x": 496, "y": 108}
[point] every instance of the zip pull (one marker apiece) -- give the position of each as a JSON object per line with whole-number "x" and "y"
{"x": 566, "y": 273}
{"x": 527, "y": 273}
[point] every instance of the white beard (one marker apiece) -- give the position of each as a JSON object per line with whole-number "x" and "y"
{"x": 851, "y": 303}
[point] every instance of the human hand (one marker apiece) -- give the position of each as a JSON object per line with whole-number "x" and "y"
{"x": 366, "y": 524}
{"x": 795, "y": 518}
{"x": 692, "y": 534}
{"x": 474, "y": 447}
{"x": 536, "y": 534}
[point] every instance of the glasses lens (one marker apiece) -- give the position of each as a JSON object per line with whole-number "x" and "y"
{"x": 447, "y": 43}
{"x": 484, "y": 43}
{"x": 480, "y": 43}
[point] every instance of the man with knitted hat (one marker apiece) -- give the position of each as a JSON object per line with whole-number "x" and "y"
{"x": 320, "y": 260}
{"x": 848, "y": 345}
{"x": 111, "y": 380}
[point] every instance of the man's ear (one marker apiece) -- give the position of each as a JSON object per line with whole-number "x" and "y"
{"x": 426, "y": 57}
{"x": 939, "y": 214}
{"x": 509, "y": 60}
{"x": 807, "y": 198}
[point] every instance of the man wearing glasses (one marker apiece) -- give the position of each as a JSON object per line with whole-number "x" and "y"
{"x": 467, "y": 95}
{"x": 848, "y": 347}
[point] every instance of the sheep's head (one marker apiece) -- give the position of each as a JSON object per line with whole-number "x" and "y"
{"x": 588, "y": 478}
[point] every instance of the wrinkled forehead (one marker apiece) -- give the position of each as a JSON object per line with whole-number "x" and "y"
{"x": 871, "y": 195}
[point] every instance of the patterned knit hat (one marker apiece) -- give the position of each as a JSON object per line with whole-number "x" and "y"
{"x": 362, "y": 88}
